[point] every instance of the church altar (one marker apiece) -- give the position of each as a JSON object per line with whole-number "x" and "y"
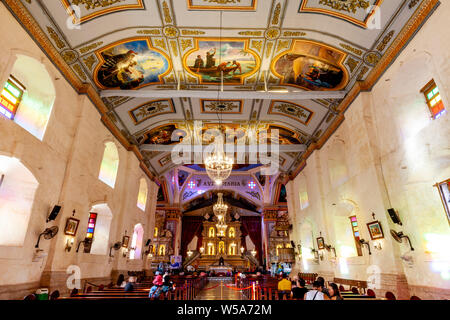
{"x": 221, "y": 269}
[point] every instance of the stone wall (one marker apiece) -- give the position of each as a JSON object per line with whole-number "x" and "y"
{"x": 388, "y": 153}
{"x": 66, "y": 164}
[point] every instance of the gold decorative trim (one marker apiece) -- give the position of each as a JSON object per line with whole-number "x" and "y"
{"x": 94, "y": 15}
{"x": 252, "y": 7}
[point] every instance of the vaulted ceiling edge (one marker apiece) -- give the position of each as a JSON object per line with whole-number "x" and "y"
{"x": 364, "y": 63}
{"x": 32, "y": 27}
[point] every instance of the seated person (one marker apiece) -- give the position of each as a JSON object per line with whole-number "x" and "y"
{"x": 155, "y": 291}
{"x": 130, "y": 284}
{"x": 334, "y": 292}
{"x": 323, "y": 288}
{"x": 284, "y": 288}
{"x": 315, "y": 293}
{"x": 299, "y": 291}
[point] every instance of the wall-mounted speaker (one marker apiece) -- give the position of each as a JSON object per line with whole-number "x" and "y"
{"x": 54, "y": 213}
{"x": 394, "y": 216}
{"x": 148, "y": 242}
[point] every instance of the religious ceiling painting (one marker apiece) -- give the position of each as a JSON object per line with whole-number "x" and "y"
{"x": 166, "y": 135}
{"x": 211, "y": 57}
{"x": 151, "y": 109}
{"x": 231, "y": 132}
{"x": 358, "y": 12}
{"x": 247, "y": 5}
{"x": 311, "y": 66}
{"x": 221, "y": 106}
{"x": 130, "y": 65}
{"x": 291, "y": 110}
{"x": 85, "y": 10}
{"x": 286, "y": 136}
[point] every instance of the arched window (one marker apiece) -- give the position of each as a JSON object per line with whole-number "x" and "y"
{"x": 28, "y": 95}
{"x": 110, "y": 165}
{"x": 142, "y": 196}
{"x": 17, "y": 190}
{"x": 136, "y": 242}
{"x": 346, "y": 230}
{"x": 232, "y": 233}
{"x": 212, "y": 232}
{"x": 101, "y": 228}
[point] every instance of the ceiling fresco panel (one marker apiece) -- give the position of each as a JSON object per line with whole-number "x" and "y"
{"x": 311, "y": 66}
{"x": 131, "y": 64}
{"x": 212, "y": 57}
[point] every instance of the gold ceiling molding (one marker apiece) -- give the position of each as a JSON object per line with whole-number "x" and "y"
{"x": 109, "y": 6}
{"x": 358, "y": 52}
{"x": 398, "y": 44}
{"x": 30, "y": 24}
{"x": 345, "y": 10}
{"x": 240, "y": 5}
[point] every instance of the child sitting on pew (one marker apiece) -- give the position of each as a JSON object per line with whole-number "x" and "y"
{"x": 155, "y": 291}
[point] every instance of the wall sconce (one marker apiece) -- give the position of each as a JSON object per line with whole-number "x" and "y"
{"x": 202, "y": 250}
{"x": 364, "y": 242}
{"x": 377, "y": 245}
{"x": 242, "y": 250}
{"x": 189, "y": 253}
{"x": 320, "y": 253}
{"x": 125, "y": 252}
{"x": 69, "y": 244}
{"x": 316, "y": 254}
{"x": 254, "y": 253}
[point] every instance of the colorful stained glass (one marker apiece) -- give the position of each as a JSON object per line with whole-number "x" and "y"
{"x": 10, "y": 98}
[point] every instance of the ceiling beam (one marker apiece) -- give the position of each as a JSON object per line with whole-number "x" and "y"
{"x": 227, "y": 148}
{"x": 211, "y": 94}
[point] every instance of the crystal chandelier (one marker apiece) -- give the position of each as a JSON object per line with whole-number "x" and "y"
{"x": 218, "y": 165}
{"x": 220, "y": 210}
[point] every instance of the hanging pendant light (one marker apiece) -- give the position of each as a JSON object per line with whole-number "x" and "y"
{"x": 218, "y": 165}
{"x": 220, "y": 210}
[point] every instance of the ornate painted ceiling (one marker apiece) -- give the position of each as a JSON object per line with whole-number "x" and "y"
{"x": 109, "y": 49}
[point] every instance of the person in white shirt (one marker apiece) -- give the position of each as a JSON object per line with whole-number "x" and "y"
{"x": 315, "y": 293}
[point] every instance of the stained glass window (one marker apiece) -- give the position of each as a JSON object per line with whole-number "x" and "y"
{"x": 434, "y": 99}
{"x": 252, "y": 185}
{"x": 10, "y": 98}
{"x": 356, "y": 235}
{"x": 91, "y": 225}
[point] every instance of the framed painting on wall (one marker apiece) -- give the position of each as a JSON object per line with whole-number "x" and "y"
{"x": 125, "y": 241}
{"x": 71, "y": 227}
{"x": 321, "y": 243}
{"x": 375, "y": 230}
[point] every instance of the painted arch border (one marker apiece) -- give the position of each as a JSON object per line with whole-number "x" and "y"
{"x": 344, "y": 82}
{"x": 138, "y": 6}
{"x": 98, "y": 54}
{"x": 223, "y": 40}
{"x": 341, "y": 16}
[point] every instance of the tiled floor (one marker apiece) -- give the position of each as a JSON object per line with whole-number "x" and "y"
{"x": 219, "y": 293}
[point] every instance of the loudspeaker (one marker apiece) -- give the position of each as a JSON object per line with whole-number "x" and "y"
{"x": 54, "y": 213}
{"x": 394, "y": 216}
{"x": 148, "y": 242}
